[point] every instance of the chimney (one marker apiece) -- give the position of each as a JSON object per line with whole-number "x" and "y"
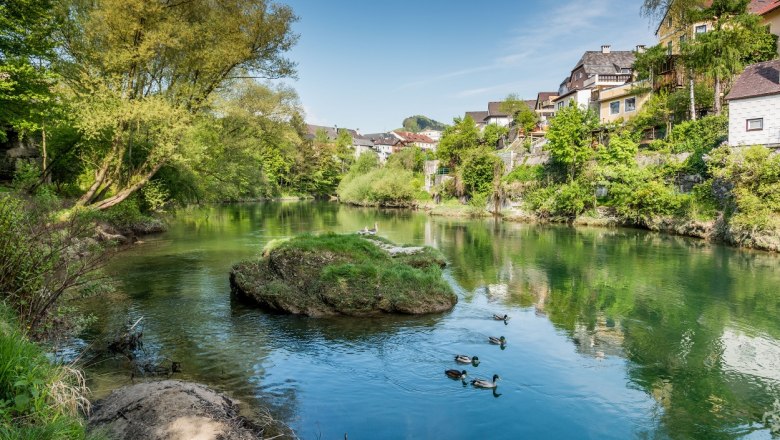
{"x": 640, "y": 48}
{"x": 606, "y": 48}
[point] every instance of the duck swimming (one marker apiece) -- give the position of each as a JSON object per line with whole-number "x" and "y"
{"x": 498, "y": 317}
{"x": 482, "y": 383}
{"x": 497, "y": 341}
{"x": 463, "y": 359}
{"x": 455, "y": 374}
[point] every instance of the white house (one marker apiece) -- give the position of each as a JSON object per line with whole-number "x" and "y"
{"x": 418, "y": 139}
{"x": 433, "y": 134}
{"x": 754, "y": 106}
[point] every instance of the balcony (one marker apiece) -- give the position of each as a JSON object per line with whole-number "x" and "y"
{"x": 610, "y": 80}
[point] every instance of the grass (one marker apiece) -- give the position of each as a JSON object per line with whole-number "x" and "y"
{"x": 38, "y": 401}
{"x": 346, "y": 274}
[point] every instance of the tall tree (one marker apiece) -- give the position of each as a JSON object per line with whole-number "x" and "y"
{"x": 26, "y": 47}
{"x": 140, "y": 71}
{"x": 457, "y": 140}
{"x": 570, "y": 138}
{"x": 522, "y": 115}
{"x": 737, "y": 37}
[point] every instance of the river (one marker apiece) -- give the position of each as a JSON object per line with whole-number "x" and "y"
{"x": 614, "y": 333}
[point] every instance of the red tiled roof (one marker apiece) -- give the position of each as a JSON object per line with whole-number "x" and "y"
{"x": 762, "y": 7}
{"x": 415, "y": 137}
{"x": 760, "y": 79}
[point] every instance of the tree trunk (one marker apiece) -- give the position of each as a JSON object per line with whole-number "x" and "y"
{"x": 99, "y": 178}
{"x": 45, "y": 159}
{"x": 127, "y": 192}
{"x": 718, "y": 105}
{"x": 693, "y": 98}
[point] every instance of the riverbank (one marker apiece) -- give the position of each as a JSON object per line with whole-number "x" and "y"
{"x": 714, "y": 231}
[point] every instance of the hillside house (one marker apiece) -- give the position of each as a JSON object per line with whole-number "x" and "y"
{"x": 417, "y": 139}
{"x": 545, "y": 108}
{"x": 754, "y": 106}
{"x": 622, "y": 102}
{"x": 433, "y": 134}
{"x": 595, "y": 71}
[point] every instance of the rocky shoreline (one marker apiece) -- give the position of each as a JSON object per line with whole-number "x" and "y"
{"x": 171, "y": 410}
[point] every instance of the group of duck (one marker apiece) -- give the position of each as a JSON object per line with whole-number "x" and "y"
{"x": 474, "y": 360}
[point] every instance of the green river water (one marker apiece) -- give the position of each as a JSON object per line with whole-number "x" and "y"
{"x": 615, "y": 333}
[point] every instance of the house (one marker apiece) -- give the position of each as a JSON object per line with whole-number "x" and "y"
{"x": 385, "y": 144}
{"x": 672, "y": 33}
{"x": 479, "y": 118}
{"x": 754, "y": 106}
{"x": 622, "y": 102}
{"x": 545, "y": 108}
{"x": 595, "y": 71}
{"x": 420, "y": 140}
{"x": 496, "y": 116}
{"x": 362, "y": 145}
{"x": 433, "y": 134}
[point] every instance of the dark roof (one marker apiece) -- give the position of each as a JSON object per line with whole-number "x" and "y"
{"x": 382, "y": 138}
{"x": 760, "y": 79}
{"x": 531, "y": 103}
{"x": 362, "y": 141}
{"x": 332, "y": 132}
{"x": 494, "y": 109}
{"x": 598, "y": 62}
{"x": 478, "y": 117}
{"x": 543, "y": 96}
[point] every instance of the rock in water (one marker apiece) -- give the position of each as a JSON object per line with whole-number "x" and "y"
{"x": 351, "y": 275}
{"x": 170, "y": 410}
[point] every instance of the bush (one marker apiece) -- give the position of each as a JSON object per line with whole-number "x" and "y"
{"x": 480, "y": 170}
{"x": 44, "y": 260}
{"x": 755, "y": 177}
{"x": 380, "y": 187}
{"x": 641, "y": 202}
{"x": 525, "y": 173}
{"x": 699, "y": 136}
{"x": 572, "y": 199}
{"x": 37, "y": 400}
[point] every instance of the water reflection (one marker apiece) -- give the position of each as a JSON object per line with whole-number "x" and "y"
{"x": 615, "y": 333}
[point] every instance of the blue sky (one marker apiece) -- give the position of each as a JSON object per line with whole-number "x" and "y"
{"x": 369, "y": 64}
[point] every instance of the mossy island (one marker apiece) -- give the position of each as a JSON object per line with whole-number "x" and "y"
{"x": 349, "y": 275}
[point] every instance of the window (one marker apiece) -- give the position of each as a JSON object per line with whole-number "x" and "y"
{"x": 630, "y": 105}
{"x": 614, "y": 107}
{"x": 560, "y": 105}
{"x": 625, "y": 70}
{"x": 755, "y": 124}
{"x": 682, "y": 40}
{"x": 701, "y": 29}
{"x": 669, "y": 49}
{"x": 669, "y": 21}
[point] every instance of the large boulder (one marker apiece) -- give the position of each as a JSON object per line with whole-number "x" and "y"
{"x": 350, "y": 275}
{"x": 170, "y": 410}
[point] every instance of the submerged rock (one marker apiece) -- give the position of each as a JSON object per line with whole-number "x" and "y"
{"x": 170, "y": 410}
{"x": 350, "y": 275}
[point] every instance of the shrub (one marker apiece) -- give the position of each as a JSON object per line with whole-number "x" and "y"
{"x": 755, "y": 177}
{"x": 480, "y": 170}
{"x": 525, "y": 173}
{"x": 621, "y": 148}
{"x": 380, "y": 187}
{"x": 699, "y": 136}
{"x": 641, "y": 202}
{"x": 572, "y": 199}
{"x": 37, "y": 400}
{"x": 43, "y": 259}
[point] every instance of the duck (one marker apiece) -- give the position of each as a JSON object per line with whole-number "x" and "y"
{"x": 497, "y": 341}
{"x": 463, "y": 359}
{"x": 373, "y": 231}
{"x": 498, "y": 317}
{"x": 482, "y": 383}
{"x": 455, "y": 374}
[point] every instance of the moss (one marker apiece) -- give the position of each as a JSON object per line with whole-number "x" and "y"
{"x": 321, "y": 275}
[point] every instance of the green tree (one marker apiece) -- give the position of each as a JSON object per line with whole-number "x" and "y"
{"x": 141, "y": 72}
{"x": 522, "y": 115}
{"x": 649, "y": 64}
{"x": 26, "y": 51}
{"x": 492, "y": 134}
{"x": 458, "y": 139}
{"x": 480, "y": 170}
{"x": 737, "y": 37}
{"x": 570, "y": 138}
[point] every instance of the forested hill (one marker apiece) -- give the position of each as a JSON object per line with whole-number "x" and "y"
{"x": 418, "y": 123}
